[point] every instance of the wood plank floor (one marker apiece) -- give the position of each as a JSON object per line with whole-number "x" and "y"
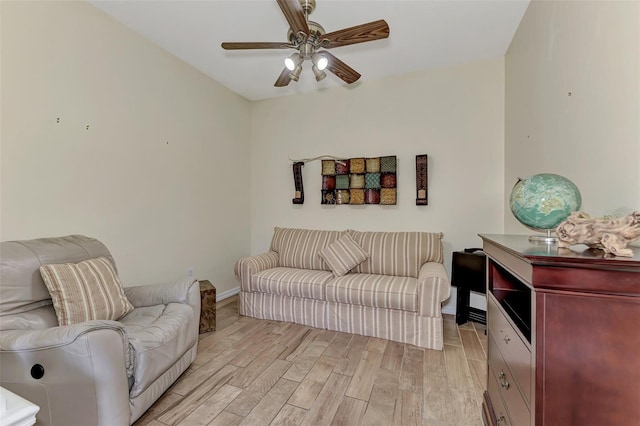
{"x": 259, "y": 372}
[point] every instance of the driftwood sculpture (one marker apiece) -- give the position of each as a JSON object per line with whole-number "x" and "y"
{"x": 610, "y": 235}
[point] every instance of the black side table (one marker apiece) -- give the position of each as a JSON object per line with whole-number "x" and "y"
{"x": 468, "y": 273}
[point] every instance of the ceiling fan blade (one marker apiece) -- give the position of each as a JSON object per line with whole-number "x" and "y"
{"x": 295, "y": 16}
{"x": 342, "y": 70}
{"x": 255, "y": 45}
{"x": 375, "y": 30}
{"x": 283, "y": 79}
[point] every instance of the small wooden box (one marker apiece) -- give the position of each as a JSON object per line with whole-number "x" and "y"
{"x": 207, "y": 307}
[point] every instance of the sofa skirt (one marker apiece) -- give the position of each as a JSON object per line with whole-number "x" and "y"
{"x": 391, "y": 324}
{"x": 276, "y": 307}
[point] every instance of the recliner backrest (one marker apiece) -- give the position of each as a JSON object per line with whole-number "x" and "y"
{"x": 21, "y": 287}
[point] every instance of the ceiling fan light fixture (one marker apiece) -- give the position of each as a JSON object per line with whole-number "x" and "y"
{"x": 295, "y": 74}
{"x": 320, "y": 75}
{"x": 292, "y": 61}
{"x": 309, "y": 40}
{"x": 320, "y": 61}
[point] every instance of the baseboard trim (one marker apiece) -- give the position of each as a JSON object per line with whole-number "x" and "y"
{"x": 227, "y": 294}
{"x": 449, "y": 310}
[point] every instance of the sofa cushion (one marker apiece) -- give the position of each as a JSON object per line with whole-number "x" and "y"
{"x": 299, "y": 248}
{"x": 292, "y": 282}
{"x": 84, "y": 291}
{"x": 158, "y": 336}
{"x": 379, "y": 291}
{"x": 343, "y": 255}
{"x": 398, "y": 253}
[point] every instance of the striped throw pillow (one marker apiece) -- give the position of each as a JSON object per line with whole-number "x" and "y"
{"x": 85, "y": 291}
{"x": 343, "y": 255}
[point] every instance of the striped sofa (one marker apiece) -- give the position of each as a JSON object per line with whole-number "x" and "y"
{"x": 395, "y": 292}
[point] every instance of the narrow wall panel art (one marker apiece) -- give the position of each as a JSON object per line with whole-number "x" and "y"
{"x": 422, "y": 194}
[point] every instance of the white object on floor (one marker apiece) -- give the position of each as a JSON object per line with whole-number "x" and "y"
{"x": 15, "y": 410}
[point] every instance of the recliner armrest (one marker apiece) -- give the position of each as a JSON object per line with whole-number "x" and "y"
{"x": 161, "y": 294}
{"x": 186, "y": 291}
{"x": 77, "y": 374}
{"x": 25, "y": 340}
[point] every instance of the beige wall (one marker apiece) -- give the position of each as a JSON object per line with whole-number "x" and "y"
{"x": 159, "y": 176}
{"x": 455, "y": 115}
{"x": 590, "y": 50}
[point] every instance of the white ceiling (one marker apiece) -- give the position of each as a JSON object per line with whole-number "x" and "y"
{"x": 423, "y": 34}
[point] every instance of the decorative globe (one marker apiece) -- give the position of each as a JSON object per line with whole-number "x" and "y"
{"x": 543, "y": 201}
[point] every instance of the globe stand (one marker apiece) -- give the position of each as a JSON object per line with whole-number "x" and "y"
{"x": 544, "y": 239}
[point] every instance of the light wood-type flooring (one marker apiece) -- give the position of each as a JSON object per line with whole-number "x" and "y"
{"x": 259, "y": 372}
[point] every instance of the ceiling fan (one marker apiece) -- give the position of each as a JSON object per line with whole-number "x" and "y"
{"x": 309, "y": 38}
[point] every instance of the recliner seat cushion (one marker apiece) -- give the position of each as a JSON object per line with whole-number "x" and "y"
{"x": 379, "y": 291}
{"x": 158, "y": 336}
{"x": 292, "y": 282}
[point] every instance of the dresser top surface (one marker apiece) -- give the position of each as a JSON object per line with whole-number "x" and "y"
{"x": 537, "y": 253}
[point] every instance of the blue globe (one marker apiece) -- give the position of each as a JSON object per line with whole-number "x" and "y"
{"x": 543, "y": 201}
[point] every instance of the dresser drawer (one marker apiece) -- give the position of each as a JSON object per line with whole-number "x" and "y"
{"x": 513, "y": 398}
{"x": 515, "y": 352}
{"x": 499, "y": 411}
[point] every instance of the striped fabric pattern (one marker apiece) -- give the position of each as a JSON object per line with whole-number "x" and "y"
{"x": 398, "y": 253}
{"x": 274, "y": 307}
{"x": 390, "y": 324}
{"x": 379, "y": 291}
{"x": 292, "y": 282}
{"x": 299, "y": 248}
{"x": 343, "y": 255}
{"x": 85, "y": 291}
{"x": 246, "y": 267}
{"x": 433, "y": 288}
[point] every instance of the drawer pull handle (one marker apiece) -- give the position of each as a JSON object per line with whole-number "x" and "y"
{"x": 507, "y": 339}
{"x": 503, "y": 380}
{"x": 500, "y": 419}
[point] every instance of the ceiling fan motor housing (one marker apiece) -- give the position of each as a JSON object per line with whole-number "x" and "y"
{"x": 308, "y": 6}
{"x": 315, "y": 32}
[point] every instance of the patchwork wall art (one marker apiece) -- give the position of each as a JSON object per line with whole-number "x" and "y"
{"x": 360, "y": 181}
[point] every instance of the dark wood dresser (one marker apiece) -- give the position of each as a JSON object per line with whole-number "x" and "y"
{"x": 564, "y": 335}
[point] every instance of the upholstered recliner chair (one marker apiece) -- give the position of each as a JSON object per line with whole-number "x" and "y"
{"x": 97, "y": 372}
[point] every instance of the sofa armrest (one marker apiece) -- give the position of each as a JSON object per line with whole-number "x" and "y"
{"x": 434, "y": 288}
{"x": 83, "y": 370}
{"x": 248, "y": 266}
